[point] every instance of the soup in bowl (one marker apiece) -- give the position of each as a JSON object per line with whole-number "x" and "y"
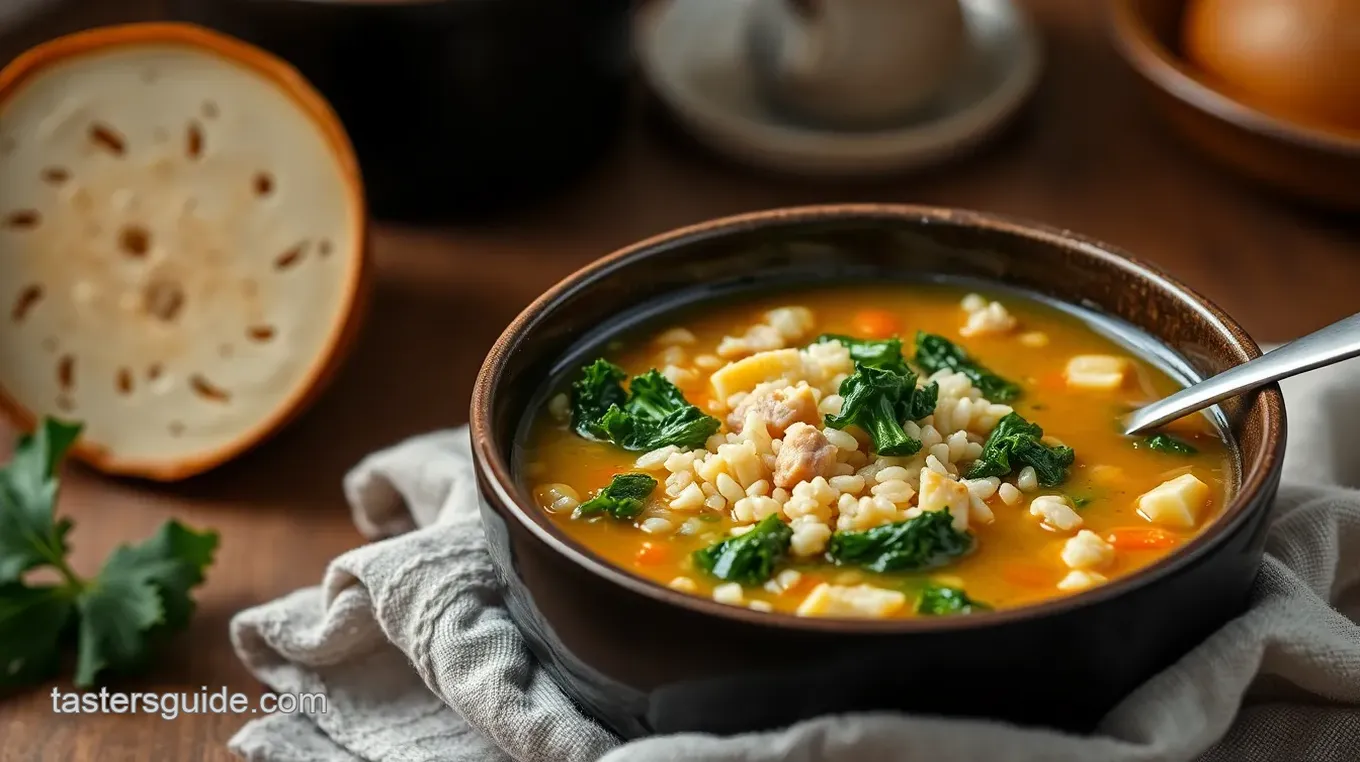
{"x": 865, "y": 458}
{"x": 872, "y": 451}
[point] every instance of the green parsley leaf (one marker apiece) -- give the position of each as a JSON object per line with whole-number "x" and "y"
{"x": 32, "y": 620}
{"x": 117, "y": 617}
{"x": 29, "y": 536}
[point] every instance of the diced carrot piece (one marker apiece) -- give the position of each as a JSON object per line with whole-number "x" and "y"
{"x": 1142, "y": 538}
{"x": 876, "y": 324}
{"x": 651, "y": 554}
{"x": 806, "y": 582}
{"x": 1055, "y": 380}
{"x": 1029, "y": 575}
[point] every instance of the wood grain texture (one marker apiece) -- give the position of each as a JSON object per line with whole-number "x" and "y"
{"x": 1087, "y": 155}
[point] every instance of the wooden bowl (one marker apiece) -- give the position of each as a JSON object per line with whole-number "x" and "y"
{"x": 1311, "y": 163}
{"x": 646, "y": 659}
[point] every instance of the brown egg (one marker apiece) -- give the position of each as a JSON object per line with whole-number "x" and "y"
{"x": 1295, "y": 59}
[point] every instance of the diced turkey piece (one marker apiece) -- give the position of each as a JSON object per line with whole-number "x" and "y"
{"x": 805, "y": 455}
{"x": 1056, "y": 512}
{"x": 781, "y": 408}
{"x": 992, "y": 319}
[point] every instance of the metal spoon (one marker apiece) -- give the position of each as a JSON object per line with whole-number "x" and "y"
{"x": 1338, "y": 341}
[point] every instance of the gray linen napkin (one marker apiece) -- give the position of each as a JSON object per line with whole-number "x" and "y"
{"x": 408, "y": 639}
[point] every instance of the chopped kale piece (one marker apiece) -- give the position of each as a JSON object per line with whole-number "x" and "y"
{"x": 877, "y": 400}
{"x": 654, "y": 413}
{"x": 873, "y": 353}
{"x": 1014, "y": 444}
{"x": 1169, "y": 445}
{"x": 935, "y": 353}
{"x": 927, "y": 541}
{"x": 624, "y": 498}
{"x": 748, "y": 559}
{"x": 941, "y": 600}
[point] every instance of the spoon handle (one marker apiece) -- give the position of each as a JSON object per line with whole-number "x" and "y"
{"x": 1338, "y": 341}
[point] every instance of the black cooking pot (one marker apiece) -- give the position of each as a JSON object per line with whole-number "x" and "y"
{"x": 455, "y": 107}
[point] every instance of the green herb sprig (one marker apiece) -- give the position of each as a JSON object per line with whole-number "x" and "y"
{"x": 115, "y": 619}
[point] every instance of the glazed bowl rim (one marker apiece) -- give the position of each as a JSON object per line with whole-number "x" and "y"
{"x": 496, "y": 476}
{"x": 1173, "y": 76}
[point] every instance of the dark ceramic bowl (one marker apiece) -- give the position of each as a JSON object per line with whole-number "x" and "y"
{"x": 1309, "y": 163}
{"x": 645, "y": 659}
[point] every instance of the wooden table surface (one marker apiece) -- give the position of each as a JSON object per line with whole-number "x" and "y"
{"x": 1087, "y": 155}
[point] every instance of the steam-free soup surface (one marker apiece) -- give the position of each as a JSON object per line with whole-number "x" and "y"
{"x": 838, "y": 528}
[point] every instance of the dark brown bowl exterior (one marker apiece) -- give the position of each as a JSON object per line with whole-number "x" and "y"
{"x": 644, "y": 659}
{"x": 1321, "y": 167}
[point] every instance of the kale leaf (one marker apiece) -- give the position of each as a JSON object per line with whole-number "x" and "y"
{"x": 872, "y": 353}
{"x": 935, "y": 353}
{"x": 941, "y": 600}
{"x": 654, "y": 413}
{"x": 926, "y": 541}
{"x": 922, "y": 402}
{"x": 877, "y": 400}
{"x": 599, "y": 389}
{"x": 1170, "y": 445}
{"x": 881, "y": 394}
{"x": 1014, "y": 444}
{"x": 749, "y": 558}
{"x": 623, "y": 498}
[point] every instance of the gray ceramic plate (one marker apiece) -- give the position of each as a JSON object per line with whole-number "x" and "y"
{"x": 691, "y": 53}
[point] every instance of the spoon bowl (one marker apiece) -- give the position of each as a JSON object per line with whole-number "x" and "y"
{"x": 1338, "y": 341}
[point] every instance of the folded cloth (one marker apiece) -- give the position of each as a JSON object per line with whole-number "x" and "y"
{"x": 409, "y": 641}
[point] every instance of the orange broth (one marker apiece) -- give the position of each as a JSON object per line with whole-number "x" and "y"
{"x": 1016, "y": 559}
